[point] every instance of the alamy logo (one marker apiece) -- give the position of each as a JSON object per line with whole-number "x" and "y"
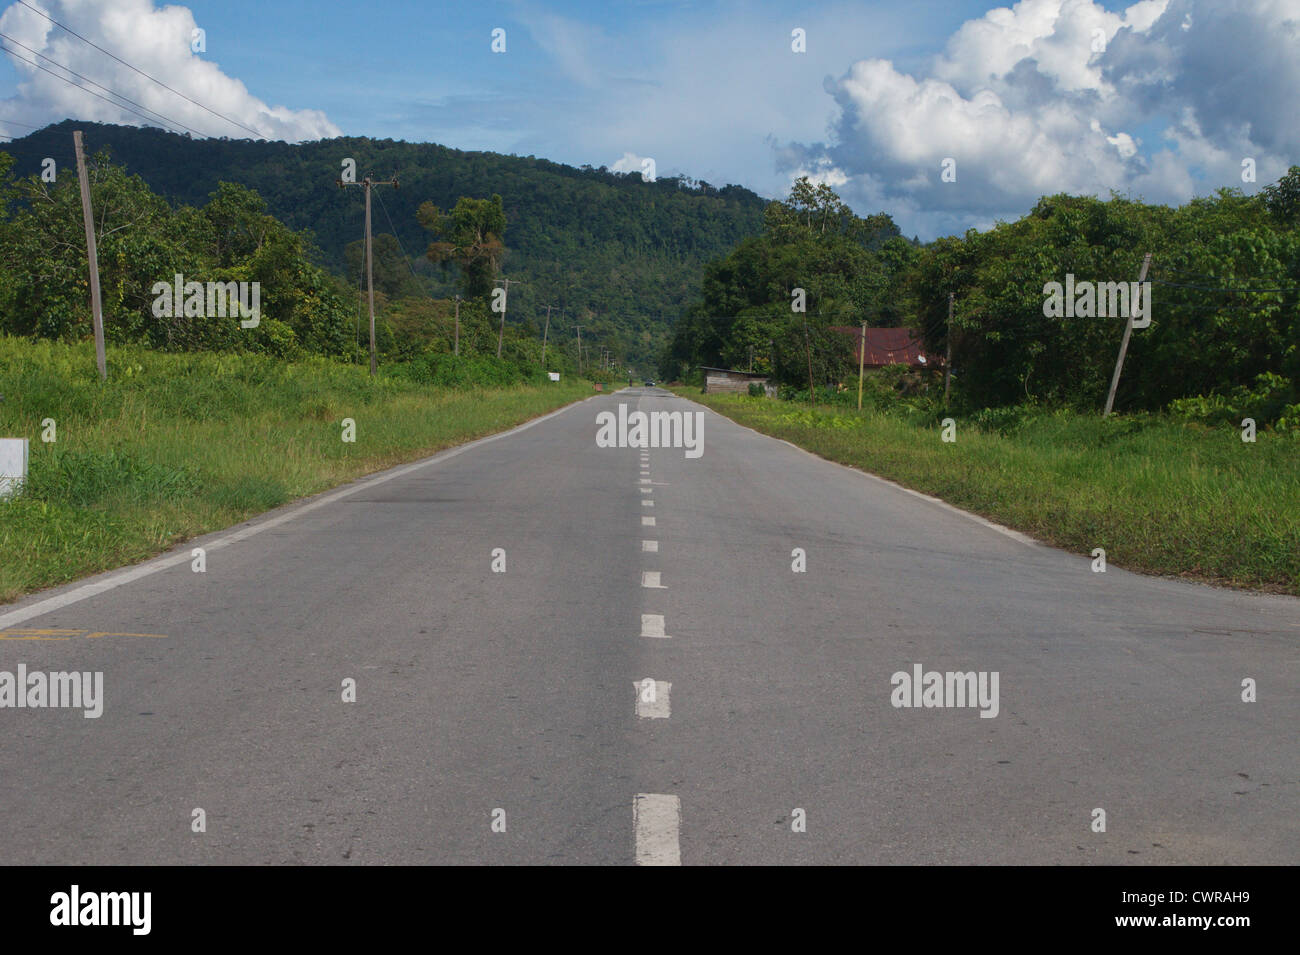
{"x": 54, "y": 690}
{"x": 210, "y": 300}
{"x": 943, "y": 690}
{"x": 656, "y": 429}
{"x": 103, "y": 908}
{"x": 1098, "y": 300}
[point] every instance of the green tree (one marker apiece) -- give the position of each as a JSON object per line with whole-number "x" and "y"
{"x": 472, "y": 237}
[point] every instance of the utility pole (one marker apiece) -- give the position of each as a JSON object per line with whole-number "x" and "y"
{"x": 92, "y": 253}
{"x": 751, "y": 359}
{"x": 370, "y": 271}
{"x": 947, "y": 362}
{"x": 579, "y": 327}
{"x": 862, "y": 358}
{"x": 812, "y": 391}
{"x": 457, "y": 344}
{"x": 546, "y": 334}
{"x": 502, "y": 330}
{"x": 1123, "y": 345}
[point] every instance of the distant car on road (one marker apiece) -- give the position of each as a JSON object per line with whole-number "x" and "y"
{"x": 649, "y": 383}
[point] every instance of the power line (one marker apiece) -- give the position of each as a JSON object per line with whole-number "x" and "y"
{"x": 82, "y": 88}
{"x": 100, "y": 85}
{"x": 405, "y": 258}
{"x": 141, "y": 72}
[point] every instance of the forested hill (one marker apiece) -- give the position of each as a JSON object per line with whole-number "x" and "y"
{"x": 620, "y": 253}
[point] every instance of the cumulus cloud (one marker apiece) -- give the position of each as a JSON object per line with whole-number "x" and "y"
{"x": 1055, "y": 96}
{"x": 629, "y": 162}
{"x": 156, "y": 40}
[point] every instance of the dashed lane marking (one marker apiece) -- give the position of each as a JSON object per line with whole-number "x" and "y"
{"x": 652, "y": 625}
{"x": 652, "y": 699}
{"x": 657, "y": 819}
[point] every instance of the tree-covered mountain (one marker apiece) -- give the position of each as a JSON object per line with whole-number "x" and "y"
{"x": 621, "y": 256}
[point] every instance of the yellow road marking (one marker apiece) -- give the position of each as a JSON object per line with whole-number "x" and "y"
{"x": 101, "y": 633}
{"x": 25, "y": 634}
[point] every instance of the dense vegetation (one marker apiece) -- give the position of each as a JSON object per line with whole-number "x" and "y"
{"x": 750, "y": 308}
{"x": 304, "y": 309}
{"x": 619, "y": 255}
{"x": 1224, "y": 338}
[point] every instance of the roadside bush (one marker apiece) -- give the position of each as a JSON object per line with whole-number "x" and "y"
{"x": 1270, "y": 399}
{"x": 453, "y": 371}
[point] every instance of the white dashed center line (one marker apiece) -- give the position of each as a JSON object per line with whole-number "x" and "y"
{"x": 658, "y": 820}
{"x": 647, "y": 522}
{"x": 652, "y": 625}
{"x": 650, "y": 578}
{"x": 652, "y": 699}
{"x": 650, "y": 547}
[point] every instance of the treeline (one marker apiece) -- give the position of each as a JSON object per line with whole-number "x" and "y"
{"x": 144, "y": 242}
{"x": 1224, "y": 337}
{"x": 622, "y": 256}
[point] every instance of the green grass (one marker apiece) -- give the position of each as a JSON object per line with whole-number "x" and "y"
{"x": 177, "y": 445}
{"x": 1160, "y": 495}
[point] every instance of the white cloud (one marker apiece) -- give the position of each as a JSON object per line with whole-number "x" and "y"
{"x": 1054, "y": 95}
{"x": 154, "y": 40}
{"x": 630, "y": 162}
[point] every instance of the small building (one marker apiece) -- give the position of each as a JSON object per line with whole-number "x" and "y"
{"x": 889, "y": 346}
{"x": 718, "y": 380}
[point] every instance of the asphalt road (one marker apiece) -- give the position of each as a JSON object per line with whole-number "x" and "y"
{"x": 478, "y": 691}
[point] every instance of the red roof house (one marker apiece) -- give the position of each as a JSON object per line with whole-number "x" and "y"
{"x": 890, "y": 346}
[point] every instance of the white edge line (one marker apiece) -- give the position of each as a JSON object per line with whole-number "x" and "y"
{"x": 112, "y": 579}
{"x": 1006, "y": 531}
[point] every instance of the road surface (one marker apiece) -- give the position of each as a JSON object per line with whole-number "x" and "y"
{"x": 502, "y": 717}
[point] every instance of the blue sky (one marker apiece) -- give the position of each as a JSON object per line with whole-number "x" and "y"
{"x": 1019, "y": 98}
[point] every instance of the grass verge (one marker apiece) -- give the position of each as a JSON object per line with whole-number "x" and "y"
{"x": 178, "y": 445}
{"x": 1159, "y": 495}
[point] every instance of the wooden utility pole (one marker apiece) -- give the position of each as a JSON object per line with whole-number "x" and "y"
{"x": 579, "y": 327}
{"x": 456, "y": 346}
{"x": 751, "y": 359}
{"x": 862, "y": 359}
{"x": 812, "y": 391}
{"x": 546, "y": 334}
{"x": 1123, "y": 345}
{"x": 947, "y": 361}
{"x": 502, "y": 330}
{"x": 92, "y": 253}
{"x": 370, "y": 272}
